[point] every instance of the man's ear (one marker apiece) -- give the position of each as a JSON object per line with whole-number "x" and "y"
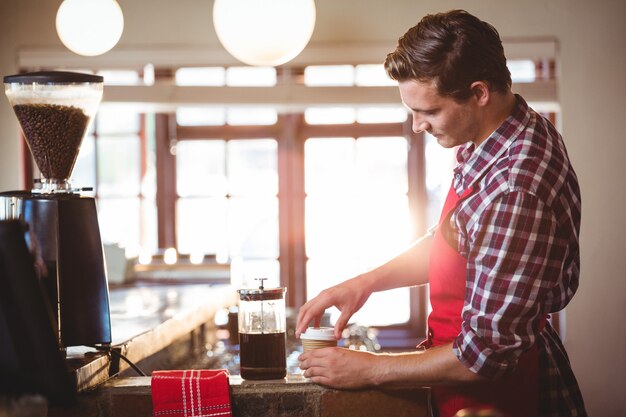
{"x": 481, "y": 93}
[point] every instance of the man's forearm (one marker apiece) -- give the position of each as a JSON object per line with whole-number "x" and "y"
{"x": 436, "y": 366}
{"x": 407, "y": 269}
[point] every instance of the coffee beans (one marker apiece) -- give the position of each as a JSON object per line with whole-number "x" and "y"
{"x": 54, "y": 134}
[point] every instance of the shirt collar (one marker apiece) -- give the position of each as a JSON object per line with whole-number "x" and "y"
{"x": 474, "y": 162}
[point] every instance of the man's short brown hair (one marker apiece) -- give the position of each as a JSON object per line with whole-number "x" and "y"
{"x": 453, "y": 49}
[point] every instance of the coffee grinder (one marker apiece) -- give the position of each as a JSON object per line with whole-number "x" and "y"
{"x": 54, "y": 110}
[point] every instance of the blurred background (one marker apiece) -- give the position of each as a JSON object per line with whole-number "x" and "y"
{"x": 307, "y": 173}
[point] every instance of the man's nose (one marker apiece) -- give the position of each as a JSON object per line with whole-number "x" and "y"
{"x": 419, "y": 125}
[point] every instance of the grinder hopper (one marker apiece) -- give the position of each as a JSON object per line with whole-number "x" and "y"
{"x": 54, "y": 110}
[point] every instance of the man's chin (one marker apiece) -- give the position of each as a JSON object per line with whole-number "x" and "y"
{"x": 444, "y": 142}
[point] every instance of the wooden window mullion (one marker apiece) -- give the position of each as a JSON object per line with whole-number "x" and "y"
{"x": 165, "y": 128}
{"x": 418, "y": 202}
{"x": 291, "y": 195}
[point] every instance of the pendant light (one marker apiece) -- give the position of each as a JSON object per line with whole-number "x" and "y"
{"x": 264, "y": 32}
{"x": 89, "y": 27}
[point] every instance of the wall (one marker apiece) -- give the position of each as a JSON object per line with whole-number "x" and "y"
{"x": 592, "y": 89}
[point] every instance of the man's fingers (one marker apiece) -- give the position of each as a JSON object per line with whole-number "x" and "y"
{"x": 315, "y": 370}
{"x": 300, "y": 326}
{"x": 304, "y": 318}
{"x": 303, "y": 323}
{"x": 315, "y": 358}
{"x": 319, "y": 376}
{"x": 308, "y": 314}
{"x": 342, "y": 321}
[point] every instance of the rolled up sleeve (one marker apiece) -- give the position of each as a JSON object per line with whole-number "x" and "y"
{"x": 514, "y": 260}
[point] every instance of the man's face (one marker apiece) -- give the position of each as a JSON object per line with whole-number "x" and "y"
{"x": 452, "y": 123}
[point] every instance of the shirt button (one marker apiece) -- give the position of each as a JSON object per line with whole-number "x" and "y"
{"x": 457, "y": 176}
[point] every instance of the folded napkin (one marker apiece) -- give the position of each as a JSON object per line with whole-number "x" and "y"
{"x": 191, "y": 393}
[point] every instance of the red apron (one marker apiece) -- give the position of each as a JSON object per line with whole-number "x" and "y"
{"x": 515, "y": 395}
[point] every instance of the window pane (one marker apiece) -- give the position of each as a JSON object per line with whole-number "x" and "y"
{"x": 113, "y": 119}
{"x": 381, "y": 309}
{"x": 200, "y": 168}
{"x": 205, "y": 76}
{"x": 148, "y": 74}
{"x": 118, "y": 166}
{"x": 201, "y": 225}
{"x": 244, "y": 271}
{"x": 84, "y": 174}
{"x": 329, "y": 115}
{"x": 251, "y": 116}
{"x": 329, "y": 75}
{"x": 365, "y": 229}
{"x": 120, "y": 77}
{"x": 439, "y": 165}
{"x": 357, "y": 216}
{"x": 328, "y": 165}
{"x": 373, "y": 75}
{"x": 149, "y": 230}
{"x": 522, "y": 71}
{"x": 382, "y": 165}
{"x": 252, "y": 167}
{"x": 251, "y": 76}
{"x": 342, "y": 165}
{"x": 200, "y": 116}
{"x": 385, "y": 308}
{"x": 119, "y": 221}
{"x": 381, "y": 115}
{"x": 253, "y": 227}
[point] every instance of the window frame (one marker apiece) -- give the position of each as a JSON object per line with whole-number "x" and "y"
{"x": 291, "y": 132}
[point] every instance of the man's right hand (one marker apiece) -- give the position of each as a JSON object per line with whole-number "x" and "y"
{"x": 408, "y": 268}
{"x": 348, "y": 297}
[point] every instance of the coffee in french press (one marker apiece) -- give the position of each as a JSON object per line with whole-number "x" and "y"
{"x": 262, "y": 337}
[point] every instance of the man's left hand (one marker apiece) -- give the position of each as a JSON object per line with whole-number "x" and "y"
{"x": 340, "y": 368}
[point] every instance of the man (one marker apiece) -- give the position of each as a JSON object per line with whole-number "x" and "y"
{"x": 504, "y": 255}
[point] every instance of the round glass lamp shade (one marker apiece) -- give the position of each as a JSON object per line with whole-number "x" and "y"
{"x": 89, "y": 27}
{"x": 264, "y": 32}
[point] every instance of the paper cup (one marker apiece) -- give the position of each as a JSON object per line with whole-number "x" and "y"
{"x": 318, "y": 337}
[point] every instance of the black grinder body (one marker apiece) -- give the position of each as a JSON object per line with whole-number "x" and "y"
{"x": 67, "y": 234}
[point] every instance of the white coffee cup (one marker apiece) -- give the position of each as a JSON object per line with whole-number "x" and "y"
{"x": 318, "y": 337}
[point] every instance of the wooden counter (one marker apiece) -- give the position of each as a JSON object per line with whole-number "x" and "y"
{"x": 148, "y": 322}
{"x": 293, "y": 397}
{"x": 166, "y": 326}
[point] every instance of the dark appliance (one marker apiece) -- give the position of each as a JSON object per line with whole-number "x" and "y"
{"x": 30, "y": 360}
{"x": 54, "y": 110}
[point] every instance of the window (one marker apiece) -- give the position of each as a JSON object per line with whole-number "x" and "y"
{"x": 115, "y": 160}
{"x": 345, "y": 75}
{"x": 227, "y": 204}
{"x": 439, "y": 165}
{"x": 522, "y": 71}
{"x": 357, "y": 216}
{"x": 306, "y": 194}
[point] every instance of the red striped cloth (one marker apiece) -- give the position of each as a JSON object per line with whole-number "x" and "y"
{"x": 191, "y": 393}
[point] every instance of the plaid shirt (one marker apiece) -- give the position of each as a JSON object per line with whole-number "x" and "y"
{"x": 519, "y": 233}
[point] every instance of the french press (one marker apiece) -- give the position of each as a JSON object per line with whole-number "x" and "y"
{"x": 262, "y": 327}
